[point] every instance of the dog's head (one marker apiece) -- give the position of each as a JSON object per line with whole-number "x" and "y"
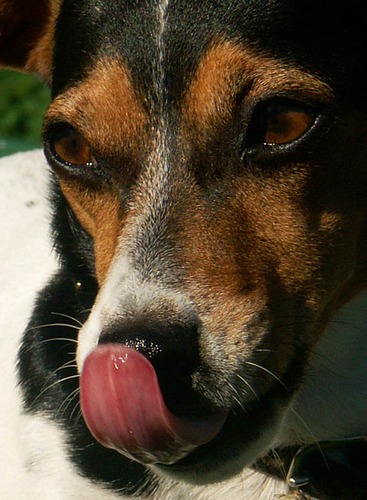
{"x": 215, "y": 153}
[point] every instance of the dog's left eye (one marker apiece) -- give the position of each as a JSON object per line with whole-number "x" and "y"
{"x": 279, "y": 122}
{"x": 72, "y": 149}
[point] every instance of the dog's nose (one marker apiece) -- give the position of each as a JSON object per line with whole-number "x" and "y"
{"x": 171, "y": 347}
{"x": 173, "y": 351}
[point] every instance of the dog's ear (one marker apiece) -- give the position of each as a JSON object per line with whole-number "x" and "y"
{"x": 26, "y": 35}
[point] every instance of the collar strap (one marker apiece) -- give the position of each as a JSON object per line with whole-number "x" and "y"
{"x": 328, "y": 470}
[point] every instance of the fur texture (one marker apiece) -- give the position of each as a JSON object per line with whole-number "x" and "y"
{"x": 206, "y": 201}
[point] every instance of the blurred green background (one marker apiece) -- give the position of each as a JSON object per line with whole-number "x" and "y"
{"x": 23, "y": 101}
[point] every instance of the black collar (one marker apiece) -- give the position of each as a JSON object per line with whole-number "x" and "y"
{"x": 329, "y": 470}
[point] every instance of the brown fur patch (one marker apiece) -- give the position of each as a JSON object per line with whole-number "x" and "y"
{"x": 231, "y": 258}
{"x": 105, "y": 109}
{"x": 99, "y": 214}
{"x": 230, "y": 74}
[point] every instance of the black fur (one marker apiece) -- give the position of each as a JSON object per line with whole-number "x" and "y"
{"x": 293, "y": 31}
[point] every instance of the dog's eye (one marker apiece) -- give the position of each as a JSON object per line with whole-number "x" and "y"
{"x": 73, "y": 150}
{"x": 279, "y": 122}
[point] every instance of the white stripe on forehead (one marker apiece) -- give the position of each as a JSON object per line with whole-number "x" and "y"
{"x": 158, "y": 162}
{"x": 162, "y": 18}
{"x": 160, "y": 77}
{"x": 162, "y": 7}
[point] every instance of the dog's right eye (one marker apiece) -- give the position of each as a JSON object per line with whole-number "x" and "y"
{"x": 279, "y": 122}
{"x": 72, "y": 150}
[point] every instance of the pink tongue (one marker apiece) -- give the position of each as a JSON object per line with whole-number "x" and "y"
{"x": 124, "y": 409}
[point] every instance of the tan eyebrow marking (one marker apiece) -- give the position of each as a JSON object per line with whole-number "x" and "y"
{"x": 229, "y": 72}
{"x": 105, "y": 108}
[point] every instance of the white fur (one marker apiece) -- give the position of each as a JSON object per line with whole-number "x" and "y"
{"x": 33, "y": 459}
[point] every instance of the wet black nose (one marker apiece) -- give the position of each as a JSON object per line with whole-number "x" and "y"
{"x": 174, "y": 353}
{"x": 170, "y": 347}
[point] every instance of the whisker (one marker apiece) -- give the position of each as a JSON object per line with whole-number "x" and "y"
{"x": 66, "y": 366}
{"x": 247, "y": 383}
{"x": 268, "y": 372}
{"x": 79, "y": 415}
{"x": 69, "y": 317}
{"x": 88, "y": 310}
{"x": 311, "y": 434}
{"x": 67, "y": 401}
{"x": 76, "y": 411}
{"x": 64, "y": 339}
{"x": 54, "y": 384}
{"x": 52, "y": 339}
{"x": 69, "y": 364}
{"x": 236, "y": 395}
{"x": 280, "y": 463}
{"x": 48, "y": 325}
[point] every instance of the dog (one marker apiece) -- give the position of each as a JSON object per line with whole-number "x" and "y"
{"x": 198, "y": 327}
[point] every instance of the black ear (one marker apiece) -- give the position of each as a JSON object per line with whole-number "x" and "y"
{"x": 26, "y": 35}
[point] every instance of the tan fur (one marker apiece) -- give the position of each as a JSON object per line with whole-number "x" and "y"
{"x": 98, "y": 212}
{"x": 106, "y": 110}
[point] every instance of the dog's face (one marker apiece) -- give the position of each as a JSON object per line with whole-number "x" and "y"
{"x": 215, "y": 152}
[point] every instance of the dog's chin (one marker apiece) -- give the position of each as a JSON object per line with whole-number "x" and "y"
{"x": 242, "y": 440}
